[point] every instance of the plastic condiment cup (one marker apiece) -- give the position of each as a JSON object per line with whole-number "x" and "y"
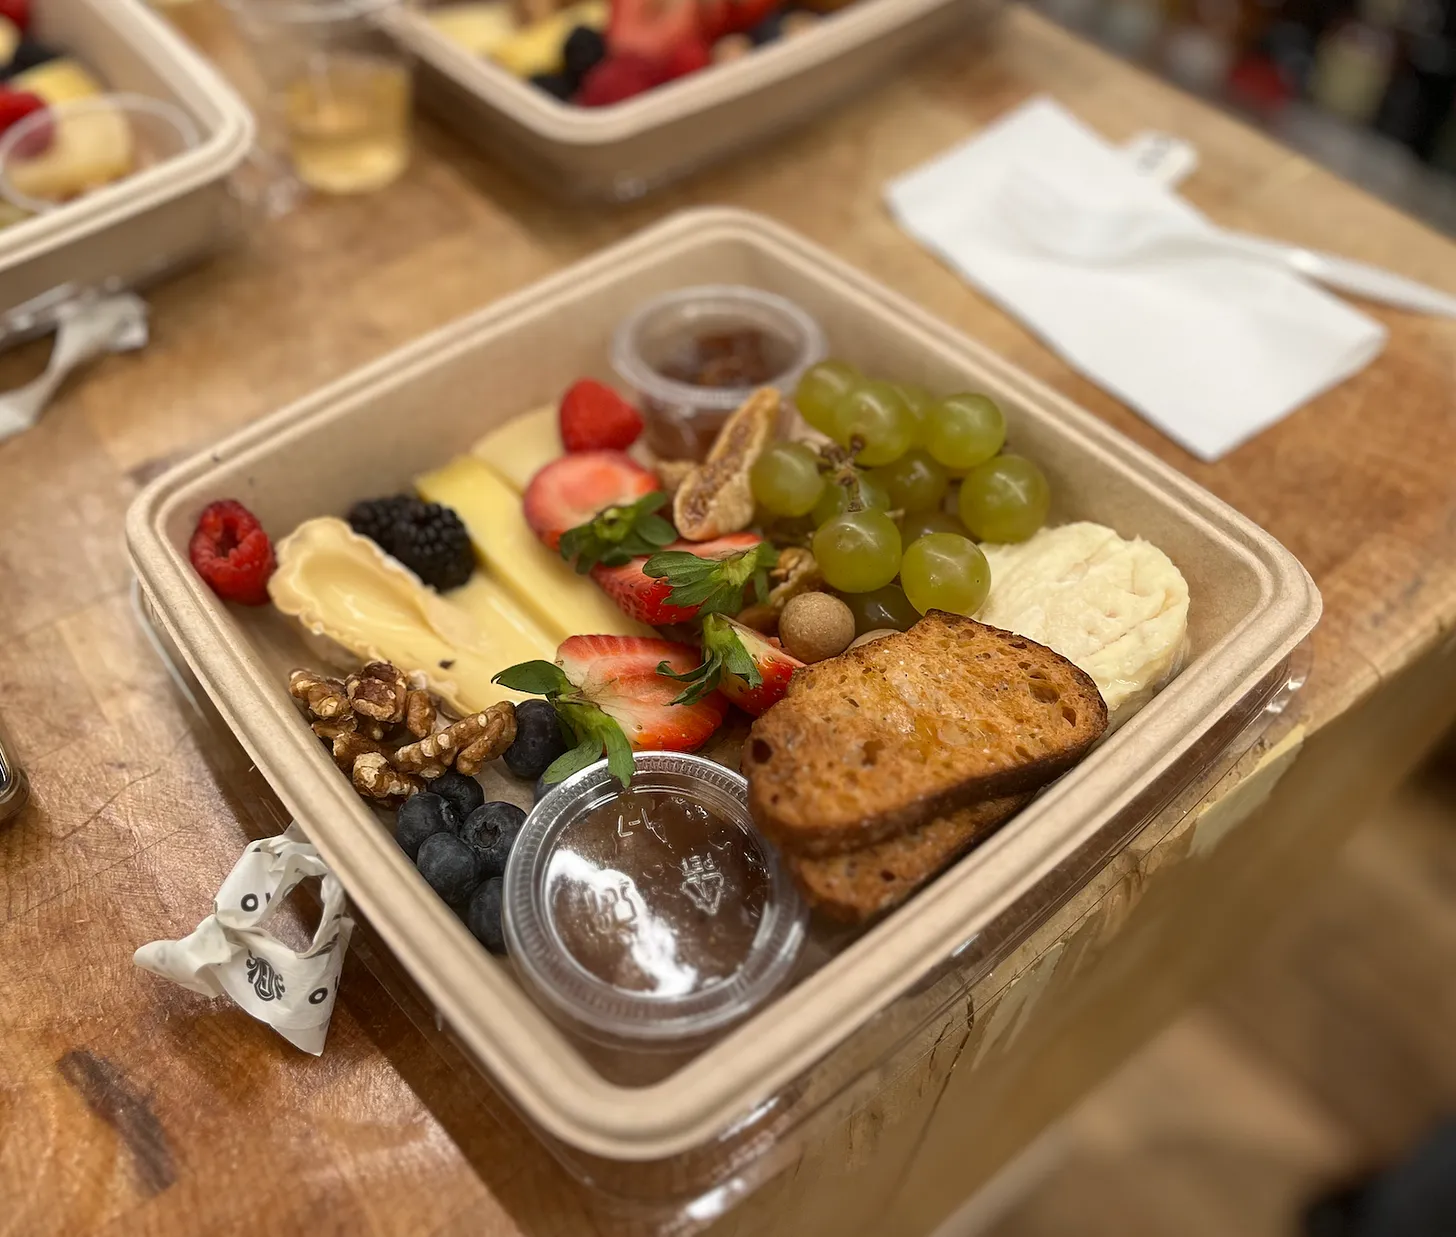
{"x": 39, "y": 155}
{"x": 683, "y": 418}
{"x": 654, "y": 917}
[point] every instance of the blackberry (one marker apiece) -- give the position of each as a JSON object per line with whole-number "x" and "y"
{"x": 585, "y": 48}
{"x": 28, "y": 54}
{"x": 428, "y": 538}
{"x": 374, "y": 518}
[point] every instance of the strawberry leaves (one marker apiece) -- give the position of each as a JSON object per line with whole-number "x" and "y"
{"x": 616, "y": 535}
{"x": 723, "y": 653}
{"x": 595, "y": 732}
{"x": 713, "y": 585}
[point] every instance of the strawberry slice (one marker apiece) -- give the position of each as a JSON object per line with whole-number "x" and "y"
{"x": 720, "y": 17}
{"x": 572, "y": 490}
{"x": 743, "y": 664}
{"x": 652, "y": 29}
{"x": 595, "y": 418}
{"x": 607, "y": 692}
{"x": 644, "y": 597}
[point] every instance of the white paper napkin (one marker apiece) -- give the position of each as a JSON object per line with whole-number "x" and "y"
{"x": 1210, "y": 348}
{"x": 231, "y": 953}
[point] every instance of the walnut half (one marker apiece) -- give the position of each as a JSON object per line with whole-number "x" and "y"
{"x": 379, "y": 692}
{"x": 465, "y": 745}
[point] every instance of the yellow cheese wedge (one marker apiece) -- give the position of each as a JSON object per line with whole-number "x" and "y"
{"x": 537, "y": 48}
{"x": 58, "y": 81}
{"x": 91, "y": 148}
{"x": 343, "y": 586}
{"x": 562, "y": 602}
{"x": 478, "y": 28}
{"x": 524, "y": 445}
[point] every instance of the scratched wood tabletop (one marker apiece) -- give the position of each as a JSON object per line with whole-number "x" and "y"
{"x": 130, "y": 1105}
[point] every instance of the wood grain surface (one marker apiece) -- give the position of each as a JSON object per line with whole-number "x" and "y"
{"x": 127, "y": 1105}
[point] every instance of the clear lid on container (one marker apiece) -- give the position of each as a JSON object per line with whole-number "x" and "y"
{"x": 654, "y": 915}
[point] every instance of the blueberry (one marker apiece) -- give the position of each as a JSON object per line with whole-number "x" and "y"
{"x": 585, "y": 48}
{"x": 27, "y": 55}
{"x": 769, "y": 29}
{"x": 538, "y": 740}
{"x": 421, "y": 817}
{"x": 557, "y": 85}
{"x": 491, "y": 830}
{"x": 483, "y": 916}
{"x": 449, "y": 867}
{"x": 463, "y": 794}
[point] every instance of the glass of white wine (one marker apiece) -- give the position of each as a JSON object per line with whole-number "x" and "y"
{"x": 340, "y": 88}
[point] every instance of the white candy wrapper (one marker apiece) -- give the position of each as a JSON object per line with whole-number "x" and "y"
{"x": 232, "y": 953}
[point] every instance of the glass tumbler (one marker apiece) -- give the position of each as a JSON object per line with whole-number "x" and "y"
{"x": 338, "y": 86}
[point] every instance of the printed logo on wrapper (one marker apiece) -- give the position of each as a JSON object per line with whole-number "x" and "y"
{"x": 231, "y": 953}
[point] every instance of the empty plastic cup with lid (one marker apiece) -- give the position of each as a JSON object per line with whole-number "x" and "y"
{"x": 58, "y": 154}
{"x": 340, "y": 88}
{"x": 652, "y": 917}
{"x": 694, "y": 355}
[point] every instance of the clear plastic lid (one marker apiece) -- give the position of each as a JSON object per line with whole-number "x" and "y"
{"x": 651, "y": 916}
{"x": 694, "y": 355}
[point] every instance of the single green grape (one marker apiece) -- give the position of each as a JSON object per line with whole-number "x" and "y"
{"x": 1005, "y": 499}
{"x": 835, "y": 498}
{"x": 884, "y": 607}
{"x": 874, "y": 413}
{"x": 858, "y": 551}
{"x": 786, "y": 479}
{"x": 821, "y": 389}
{"x": 964, "y": 430}
{"x": 922, "y": 523}
{"x": 945, "y": 572}
{"x": 914, "y": 482}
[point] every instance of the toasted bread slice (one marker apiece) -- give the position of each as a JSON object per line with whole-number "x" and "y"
{"x": 890, "y": 735}
{"x": 861, "y": 884}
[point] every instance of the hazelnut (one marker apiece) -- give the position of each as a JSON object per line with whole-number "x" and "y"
{"x": 869, "y": 637}
{"x": 814, "y": 626}
{"x": 731, "y": 47}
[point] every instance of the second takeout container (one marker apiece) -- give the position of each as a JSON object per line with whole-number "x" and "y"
{"x": 146, "y": 225}
{"x": 621, "y": 152}
{"x": 866, "y": 1006}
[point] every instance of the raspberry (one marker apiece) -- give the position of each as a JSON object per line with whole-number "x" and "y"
{"x": 428, "y": 538}
{"x": 232, "y": 553}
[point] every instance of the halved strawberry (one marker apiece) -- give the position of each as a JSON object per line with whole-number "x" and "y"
{"x": 572, "y": 490}
{"x": 745, "y": 665}
{"x": 620, "y": 675}
{"x": 608, "y": 693}
{"x": 645, "y": 597}
{"x": 652, "y": 29}
{"x": 720, "y": 17}
{"x": 595, "y": 418}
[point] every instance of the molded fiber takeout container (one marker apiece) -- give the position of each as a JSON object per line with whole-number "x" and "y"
{"x": 371, "y": 432}
{"x": 619, "y": 153}
{"x": 146, "y": 225}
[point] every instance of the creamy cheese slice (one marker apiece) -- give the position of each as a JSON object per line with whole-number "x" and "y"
{"x": 519, "y": 449}
{"x": 343, "y": 586}
{"x": 1116, "y": 608}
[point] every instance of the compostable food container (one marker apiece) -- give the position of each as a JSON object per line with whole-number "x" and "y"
{"x": 729, "y": 1115}
{"x": 621, "y": 152}
{"x": 155, "y": 221}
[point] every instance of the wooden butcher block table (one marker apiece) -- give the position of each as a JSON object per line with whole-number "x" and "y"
{"x": 130, "y": 1105}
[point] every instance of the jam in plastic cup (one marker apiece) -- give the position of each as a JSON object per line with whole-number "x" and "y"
{"x": 694, "y": 355}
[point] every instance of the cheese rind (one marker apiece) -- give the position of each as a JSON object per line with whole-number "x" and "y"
{"x": 1117, "y": 608}
{"x": 563, "y": 603}
{"x": 343, "y": 586}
